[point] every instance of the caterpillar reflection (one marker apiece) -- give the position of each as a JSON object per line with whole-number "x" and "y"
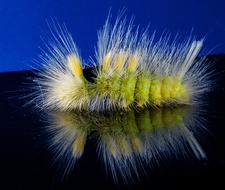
{"x": 131, "y": 70}
{"x": 126, "y": 140}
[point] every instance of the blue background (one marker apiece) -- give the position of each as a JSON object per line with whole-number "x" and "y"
{"x": 23, "y": 22}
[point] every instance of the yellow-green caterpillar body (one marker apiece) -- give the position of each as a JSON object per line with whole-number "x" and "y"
{"x": 130, "y": 70}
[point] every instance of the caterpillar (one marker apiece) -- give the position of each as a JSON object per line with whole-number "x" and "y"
{"x": 131, "y": 70}
{"x": 126, "y": 140}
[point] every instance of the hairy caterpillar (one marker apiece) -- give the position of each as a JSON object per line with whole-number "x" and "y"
{"x": 131, "y": 70}
{"x": 126, "y": 140}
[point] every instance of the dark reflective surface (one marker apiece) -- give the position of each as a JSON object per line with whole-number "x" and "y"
{"x": 33, "y": 157}
{"x": 128, "y": 143}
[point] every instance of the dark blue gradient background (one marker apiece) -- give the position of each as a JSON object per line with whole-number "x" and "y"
{"x": 22, "y": 23}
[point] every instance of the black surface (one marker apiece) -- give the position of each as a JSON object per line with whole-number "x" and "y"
{"x": 26, "y": 162}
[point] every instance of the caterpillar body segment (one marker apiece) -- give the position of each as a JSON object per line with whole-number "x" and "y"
{"x": 130, "y": 71}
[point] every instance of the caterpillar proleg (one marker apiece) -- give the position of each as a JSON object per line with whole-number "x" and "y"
{"x": 131, "y": 70}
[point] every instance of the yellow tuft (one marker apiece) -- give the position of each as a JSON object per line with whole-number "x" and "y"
{"x": 75, "y": 65}
{"x": 79, "y": 143}
{"x": 106, "y": 62}
{"x": 137, "y": 144}
{"x": 133, "y": 62}
{"x": 120, "y": 60}
{"x": 124, "y": 145}
{"x": 111, "y": 146}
